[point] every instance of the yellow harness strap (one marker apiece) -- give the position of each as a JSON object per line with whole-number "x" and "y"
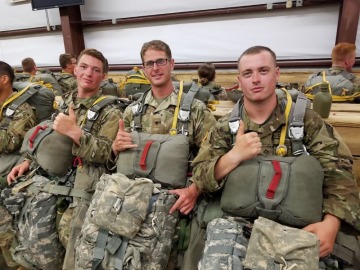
{"x": 281, "y": 150}
{"x": 173, "y": 130}
{"x": 12, "y": 98}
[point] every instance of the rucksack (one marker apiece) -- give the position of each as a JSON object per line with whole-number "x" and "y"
{"x": 340, "y": 85}
{"x": 127, "y": 226}
{"x": 38, "y": 96}
{"x": 135, "y": 82}
{"x": 36, "y": 245}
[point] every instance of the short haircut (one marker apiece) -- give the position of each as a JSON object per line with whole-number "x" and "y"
{"x": 106, "y": 71}
{"x": 342, "y": 51}
{"x": 96, "y": 54}
{"x": 6, "y": 69}
{"x": 206, "y": 73}
{"x": 256, "y": 50}
{"x": 65, "y": 59}
{"x": 28, "y": 64}
{"x": 157, "y": 45}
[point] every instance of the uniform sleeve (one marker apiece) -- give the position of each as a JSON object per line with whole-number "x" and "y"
{"x": 216, "y": 144}
{"x": 12, "y": 137}
{"x": 203, "y": 122}
{"x": 341, "y": 196}
{"x": 96, "y": 146}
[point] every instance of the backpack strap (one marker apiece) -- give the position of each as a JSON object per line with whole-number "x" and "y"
{"x": 348, "y": 75}
{"x": 235, "y": 117}
{"x": 94, "y": 111}
{"x": 185, "y": 109}
{"x": 296, "y": 125}
{"x": 16, "y": 101}
{"x": 139, "y": 109}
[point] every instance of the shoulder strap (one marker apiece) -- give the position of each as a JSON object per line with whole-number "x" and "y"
{"x": 138, "y": 109}
{"x": 296, "y": 124}
{"x": 94, "y": 111}
{"x": 348, "y": 75}
{"x": 185, "y": 109}
{"x": 17, "y": 101}
{"x": 235, "y": 117}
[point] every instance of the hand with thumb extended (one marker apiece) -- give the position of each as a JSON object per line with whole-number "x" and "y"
{"x": 66, "y": 125}
{"x": 123, "y": 139}
{"x": 247, "y": 145}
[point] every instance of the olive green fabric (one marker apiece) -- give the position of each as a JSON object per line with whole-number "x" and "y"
{"x": 48, "y": 148}
{"x": 166, "y": 161}
{"x": 286, "y": 204}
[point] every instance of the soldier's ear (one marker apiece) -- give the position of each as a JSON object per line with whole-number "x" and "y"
{"x": 4, "y": 79}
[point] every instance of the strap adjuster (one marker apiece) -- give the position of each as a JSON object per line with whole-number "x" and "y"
{"x": 234, "y": 126}
{"x": 296, "y": 132}
{"x": 9, "y": 112}
{"x": 184, "y": 115}
{"x": 91, "y": 115}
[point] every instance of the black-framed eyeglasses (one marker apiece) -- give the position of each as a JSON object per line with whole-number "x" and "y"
{"x": 158, "y": 62}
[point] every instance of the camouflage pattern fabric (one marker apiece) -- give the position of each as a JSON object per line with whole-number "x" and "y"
{"x": 94, "y": 150}
{"x": 225, "y": 245}
{"x": 273, "y": 244}
{"x": 158, "y": 118}
{"x": 149, "y": 249}
{"x": 38, "y": 244}
{"x": 6, "y": 230}
{"x": 66, "y": 81}
{"x": 341, "y": 197}
{"x": 22, "y": 77}
{"x": 119, "y": 204}
{"x": 23, "y": 120}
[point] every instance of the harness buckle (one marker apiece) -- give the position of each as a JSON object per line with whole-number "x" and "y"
{"x": 296, "y": 133}
{"x": 184, "y": 115}
{"x": 9, "y": 112}
{"x": 92, "y": 116}
{"x": 234, "y": 126}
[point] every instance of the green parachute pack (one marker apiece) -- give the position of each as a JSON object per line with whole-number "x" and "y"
{"x": 340, "y": 85}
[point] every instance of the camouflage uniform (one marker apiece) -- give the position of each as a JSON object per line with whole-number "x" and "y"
{"x": 341, "y": 197}
{"x": 10, "y": 142}
{"x": 67, "y": 81}
{"x": 22, "y": 77}
{"x": 216, "y": 90}
{"x": 94, "y": 150}
{"x": 158, "y": 120}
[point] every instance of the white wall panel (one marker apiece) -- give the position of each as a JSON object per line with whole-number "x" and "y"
{"x": 292, "y": 34}
{"x": 44, "y": 49}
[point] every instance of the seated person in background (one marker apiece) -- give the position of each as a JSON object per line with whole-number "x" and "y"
{"x": 342, "y": 81}
{"x": 66, "y": 78}
{"x": 206, "y": 73}
{"x": 29, "y": 70}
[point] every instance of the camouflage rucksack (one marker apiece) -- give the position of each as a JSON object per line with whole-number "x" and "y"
{"x": 127, "y": 226}
{"x": 275, "y": 246}
{"x": 36, "y": 245}
{"x": 135, "y": 82}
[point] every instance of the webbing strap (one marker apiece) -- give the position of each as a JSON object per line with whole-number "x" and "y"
{"x": 99, "y": 250}
{"x": 93, "y": 112}
{"x": 173, "y": 130}
{"x": 275, "y": 181}
{"x": 185, "y": 108}
{"x": 119, "y": 256}
{"x": 226, "y": 250}
{"x": 142, "y": 162}
{"x": 52, "y": 188}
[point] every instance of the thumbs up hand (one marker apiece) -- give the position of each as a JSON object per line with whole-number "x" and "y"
{"x": 123, "y": 139}
{"x": 66, "y": 125}
{"x": 247, "y": 145}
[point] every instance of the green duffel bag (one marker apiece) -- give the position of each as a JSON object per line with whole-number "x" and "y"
{"x": 48, "y": 148}
{"x": 162, "y": 158}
